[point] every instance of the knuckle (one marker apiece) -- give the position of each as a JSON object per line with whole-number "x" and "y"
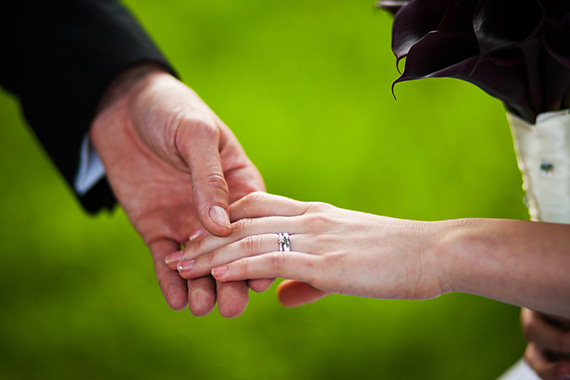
{"x": 277, "y": 260}
{"x": 319, "y": 207}
{"x": 175, "y": 122}
{"x": 242, "y": 266}
{"x": 208, "y": 259}
{"x": 317, "y": 222}
{"x": 193, "y": 250}
{"x": 253, "y": 198}
{"x": 215, "y": 181}
{"x": 251, "y": 244}
{"x": 240, "y": 227}
{"x": 203, "y": 128}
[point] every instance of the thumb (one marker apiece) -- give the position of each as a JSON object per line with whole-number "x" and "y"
{"x": 293, "y": 293}
{"x": 198, "y": 144}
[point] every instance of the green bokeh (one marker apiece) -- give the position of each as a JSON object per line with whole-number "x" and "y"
{"x": 305, "y": 86}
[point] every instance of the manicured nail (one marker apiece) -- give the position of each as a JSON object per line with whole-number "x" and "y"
{"x": 173, "y": 257}
{"x": 219, "y": 216}
{"x": 185, "y": 265}
{"x": 219, "y": 271}
{"x": 198, "y": 234}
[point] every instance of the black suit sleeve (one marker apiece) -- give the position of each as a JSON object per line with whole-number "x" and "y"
{"x": 58, "y": 57}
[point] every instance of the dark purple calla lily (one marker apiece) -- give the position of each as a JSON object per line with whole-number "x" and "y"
{"x": 392, "y": 6}
{"x": 516, "y": 50}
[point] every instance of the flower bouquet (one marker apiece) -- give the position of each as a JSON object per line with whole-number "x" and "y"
{"x": 517, "y": 51}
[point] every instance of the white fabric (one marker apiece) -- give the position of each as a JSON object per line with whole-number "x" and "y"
{"x": 91, "y": 169}
{"x": 544, "y": 145}
{"x": 520, "y": 371}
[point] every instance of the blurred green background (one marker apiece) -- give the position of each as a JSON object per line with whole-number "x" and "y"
{"x": 305, "y": 86}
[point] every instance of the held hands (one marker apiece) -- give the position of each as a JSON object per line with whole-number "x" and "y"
{"x": 548, "y": 350}
{"x": 174, "y": 166}
{"x": 332, "y": 251}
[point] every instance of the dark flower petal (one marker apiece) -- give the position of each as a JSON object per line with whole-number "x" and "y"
{"x": 500, "y": 78}
{"x": 502, "y": 24}
{"x": 555, "y": 9}
{"x": 413, "y": 21}
{"x": 516, "y": 50}
{"x": 558, "y": 78}
{"x": 391, "y": 6}
{"x": 556, "y": 39}
{"x": 458, "y": 15}
{"x": 437, "y": 51}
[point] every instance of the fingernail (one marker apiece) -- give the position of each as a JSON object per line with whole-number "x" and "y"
{"x": 219, "y": 216}
{"x": 219, "y": 271}
{"x": 185, "y": 265}
{"x": 198, "y": 234}
{"x": 173, "y": 257}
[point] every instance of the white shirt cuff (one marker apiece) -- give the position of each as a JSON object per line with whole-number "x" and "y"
{"x": 91, "y": 169}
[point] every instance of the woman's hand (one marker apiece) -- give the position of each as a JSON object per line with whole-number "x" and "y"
{"x": 332, "y": 250}
{"x": 548, "y": 350}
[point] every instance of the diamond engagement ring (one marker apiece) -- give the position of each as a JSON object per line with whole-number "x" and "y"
{"x": 284, "y": 242}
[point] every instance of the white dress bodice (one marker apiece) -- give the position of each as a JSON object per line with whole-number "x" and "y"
{"x": 543, "y": 155}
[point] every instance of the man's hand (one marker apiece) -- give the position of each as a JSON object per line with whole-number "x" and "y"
{"x": 548, "y": 350}
{"x": 174, "y": 166}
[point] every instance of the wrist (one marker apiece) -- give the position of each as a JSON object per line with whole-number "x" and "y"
{"x": 467, "y": 257}
{"x": 433, "y": 249}
{"x": 117, "y": 101}
{"x": 129, "y": 82}
{"x": 449, "y": 251}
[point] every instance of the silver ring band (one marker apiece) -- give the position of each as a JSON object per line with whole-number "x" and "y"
{"x": 284, "y": 242}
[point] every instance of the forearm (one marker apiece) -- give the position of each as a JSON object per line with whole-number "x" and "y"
{"x": 517, "y": 262}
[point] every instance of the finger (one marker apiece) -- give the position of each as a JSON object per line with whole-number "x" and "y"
{"x": 232, "y": 298}
{"x": 172, "y": 259}
{"x": 173, "y": 287}
{"x": 243, "y": 181}
{"x": 260, "y": 285}
{"x": 199, "y": 143}
{"x": 259, "y": 204}
{"x": 545, "y": 369}
{"x": 293, "y": 293}
{"x": 244, "y": 228}
{"x": 248, "y": 246}
{"x": 289, "y": 265}
{"x": 544, "y": 334}
{"x": 561, "y": 323}
{"x": 201, "y": 295}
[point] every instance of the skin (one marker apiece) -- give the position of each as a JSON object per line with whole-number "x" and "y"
{"x": 174, "y": 167}
{"x": 169, "y": 159}
{"x": 548, "y": 350}
{"x": 339, "y": 251}
{"x": 518, "y": 262}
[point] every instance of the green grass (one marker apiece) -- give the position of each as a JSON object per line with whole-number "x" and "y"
{"x": 306, "y": 88}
